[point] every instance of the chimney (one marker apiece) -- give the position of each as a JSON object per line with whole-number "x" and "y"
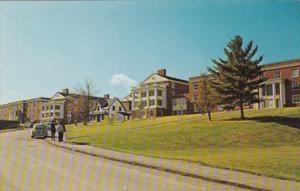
{"x": 66, "y": 91}
{"x": 106, "y": 96}
{"x": 162, "y": 72}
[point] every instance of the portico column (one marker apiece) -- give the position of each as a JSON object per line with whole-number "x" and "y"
{"x": 282, "y": 94}
{"x": 274, "y": 94}
{"x": 155, "y": 94}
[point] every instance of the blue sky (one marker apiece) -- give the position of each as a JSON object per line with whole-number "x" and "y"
{"x": 48, "y": 46}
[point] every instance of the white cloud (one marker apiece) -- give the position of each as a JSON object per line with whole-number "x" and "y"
{"x": 122, "y": 80}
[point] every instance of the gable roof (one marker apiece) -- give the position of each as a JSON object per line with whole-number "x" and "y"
{"x": 166, "y": 78}
{"x": 176, "y": 79}
{"x": 114, "y": 100}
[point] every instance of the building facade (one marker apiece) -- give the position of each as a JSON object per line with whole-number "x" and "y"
{"x": 68, "y": 107}
{"x": 282, "y": 88}
{"x": 195, "y": 96}
{"x": 14, "y": 111}
{"x": 153, "y": 97}
{"x": 33, "y": 109}
{"x": 23, "y": 111}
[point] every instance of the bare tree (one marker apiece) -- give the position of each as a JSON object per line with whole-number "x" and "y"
{"x": 87, "y": 91}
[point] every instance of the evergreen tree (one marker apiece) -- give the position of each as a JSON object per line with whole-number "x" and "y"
{"x": 237, "y": 77}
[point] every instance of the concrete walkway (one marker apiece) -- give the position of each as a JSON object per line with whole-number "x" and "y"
{"x": 195, "y": 170}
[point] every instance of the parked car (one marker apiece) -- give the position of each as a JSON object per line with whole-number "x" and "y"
{"x": 39, "y": 131}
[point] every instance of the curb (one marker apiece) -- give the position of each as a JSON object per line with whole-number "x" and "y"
{"x": 10, "y": 130}
{"x": 169, "y": 170}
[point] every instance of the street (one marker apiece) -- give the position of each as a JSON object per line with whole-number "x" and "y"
{"x": 27, "y": 164}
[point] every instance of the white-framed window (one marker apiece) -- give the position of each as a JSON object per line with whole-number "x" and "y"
{"x": 159, "y": 92}
{"x": 295, "y": 84}
{"x": 295, "y": 72}
{"x": 195, "y": 97}
{"x": 159, "y": 102}
{"x": 296, "y": 98}
{"x": 277, "y": 74}
{"x": 151, "y": 102}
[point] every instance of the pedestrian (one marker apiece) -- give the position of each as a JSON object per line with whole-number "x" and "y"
{"x": 60, "y": 130}
{"x": 53, "y": 130}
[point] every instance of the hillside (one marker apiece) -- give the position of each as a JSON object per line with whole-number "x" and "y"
{"x": 268, "y": 142}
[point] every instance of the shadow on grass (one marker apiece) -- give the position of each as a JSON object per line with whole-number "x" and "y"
{"x": 80, "y": 143}
{"x": 288, "y": 121}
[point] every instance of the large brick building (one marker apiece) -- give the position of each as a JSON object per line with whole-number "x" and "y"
{"x": 23, "y": 111}
{"x": 282, "y": 88}
{"x": 153, "y": 97}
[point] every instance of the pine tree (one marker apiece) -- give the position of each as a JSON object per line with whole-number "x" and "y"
{"x": 237, "y": 77}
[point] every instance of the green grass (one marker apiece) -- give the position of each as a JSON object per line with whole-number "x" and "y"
{"x": 267, "y": 143}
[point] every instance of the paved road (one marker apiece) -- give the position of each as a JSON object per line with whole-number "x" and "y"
{"x": 27, "y": 164}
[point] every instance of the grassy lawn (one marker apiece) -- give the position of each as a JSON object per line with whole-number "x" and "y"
{"x": 267, "y": 143}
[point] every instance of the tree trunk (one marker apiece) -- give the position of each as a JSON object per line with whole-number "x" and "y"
{"x": 242, "y": 109}
{"x": 208, "y": 112}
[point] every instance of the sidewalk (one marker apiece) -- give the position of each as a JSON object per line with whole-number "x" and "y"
{"x": 195, "y": 170}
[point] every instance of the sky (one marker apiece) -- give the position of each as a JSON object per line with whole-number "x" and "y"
{"x": 48, "y": 46}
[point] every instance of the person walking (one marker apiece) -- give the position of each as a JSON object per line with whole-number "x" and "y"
{"x": 53, "y": 130}
{"x": 60, "y": 130}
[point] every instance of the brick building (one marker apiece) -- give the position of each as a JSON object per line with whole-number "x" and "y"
{"x": 23, "y": 111}
{"x": 195, "y": 95}
{"x": 282, "y": 89}
{"x": 153, "y": 97}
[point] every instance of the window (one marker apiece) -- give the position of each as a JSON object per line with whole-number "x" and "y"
{"x": 277, "y": 74}
{"x": 195, "y": 97}
{"x": 295, "y": 84}
{"x": 295, "y": 72}
{"x": 151, "y": 93}
{"x": 113, "y": 108}
{"x": 51, "y": 107}
{"x": 120, "y": 108}
{"x": 144, "y": 94}
{"x": 47, "y": 108}
{"x": 159, "y": 92}
{"x": 51, "y": 114}
{"x": 57, "y": 114}
{"x": 159, "y": 102}
{"x": 144, "y": 103}
{"x": 269, "y": 90}
{"x": 152, "y": 102}
{"x": 43, "y": 108}
{"x": 196, "y": 87}
{"x": 136, "y": 104}
{"x": 57, "y": 107}
{"x": 43, "y": 115}
{"x": 296, "y": 98}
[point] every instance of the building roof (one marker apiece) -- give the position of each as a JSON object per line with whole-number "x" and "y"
{"x": 176, "y": 79}
{"x": 282, "y": 64}
{"x": 24, "y": 101}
